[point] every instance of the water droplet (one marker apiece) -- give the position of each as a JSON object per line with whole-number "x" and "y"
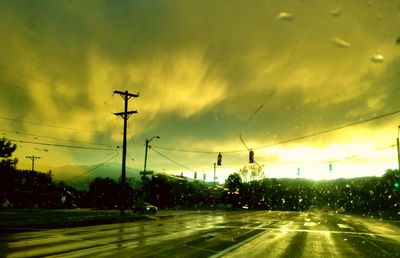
{"x": 341, "y": 43}
{"x": 398, "y": 41}
{"x": 369, "y": 3}
{"x": 336, "y": 11}
{"x": 379, "y": 17}
{"x": 286, "y": 16}
{"x": 377, "y": 58}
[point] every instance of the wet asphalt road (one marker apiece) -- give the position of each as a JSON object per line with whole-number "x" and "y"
{"x": 216, "y": 234}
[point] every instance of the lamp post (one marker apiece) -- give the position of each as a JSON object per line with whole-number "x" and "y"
{"x": 145, "y": 153}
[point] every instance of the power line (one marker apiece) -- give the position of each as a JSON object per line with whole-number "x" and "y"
{"x": 23, "y": 89}
{"x": 193, "y": 151}
{"x": 363, "y": 154}
{"x": 330, "y": 130}
{"x": 50, "y": 126}
{"x": 289, "y": 140}
{"x": 176, "y": 163}
{"x": 53, "y": 138}
{"x": 92, "y": 169}
{"x": 22, "y": 74}
{"x": 61, "y": 145}
{"x": 288, "y": 64}
{"x": 26, "y": 76}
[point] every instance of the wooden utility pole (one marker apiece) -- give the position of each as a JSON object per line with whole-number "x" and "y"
{"x": 125, "y": 115}
{"x": 398, "y": 147}
{"x": 33, "y": 161}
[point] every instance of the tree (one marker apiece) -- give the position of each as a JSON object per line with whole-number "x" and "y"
{"x": 233, "y": 183}
{"x": 7, "y": 171}
{"x": 6, "y": 150}
{"x": 105, "y": 193}
{"x": 251, "y": 172}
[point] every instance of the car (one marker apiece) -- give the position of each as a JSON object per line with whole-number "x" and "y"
{"x": 144, "y": 208}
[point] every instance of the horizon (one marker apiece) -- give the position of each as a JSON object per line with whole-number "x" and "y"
{"x": 57, "y": 170}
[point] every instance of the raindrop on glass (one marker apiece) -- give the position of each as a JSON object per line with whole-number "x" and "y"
{"x": 285, "y": 16}
{"x": 336, "y": 12}
{"x": 341, "y": 43}
{"x": 377, "y": 58}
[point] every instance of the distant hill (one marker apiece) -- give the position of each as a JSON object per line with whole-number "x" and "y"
{"x": 79, "y": 176}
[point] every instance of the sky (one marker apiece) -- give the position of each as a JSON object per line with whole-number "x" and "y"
{"x": 212, "y": 76}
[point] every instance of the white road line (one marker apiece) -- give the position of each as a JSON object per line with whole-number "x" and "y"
{"x": 223, "y": 252}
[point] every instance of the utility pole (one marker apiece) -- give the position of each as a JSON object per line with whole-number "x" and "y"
{"x": 215, "y": 171}
{"x": 398, "y": 147}
{"x": 125, "y": 115}
{"x": 144, "y": 173}
{"x": 33, "y": 161}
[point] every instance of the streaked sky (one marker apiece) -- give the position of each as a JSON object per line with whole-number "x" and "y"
{"x": 207, "y": 73}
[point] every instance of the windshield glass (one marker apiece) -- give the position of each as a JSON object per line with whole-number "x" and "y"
{"x": 168, "y": 127}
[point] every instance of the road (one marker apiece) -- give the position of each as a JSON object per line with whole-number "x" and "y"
{"x": 216, "y": 234}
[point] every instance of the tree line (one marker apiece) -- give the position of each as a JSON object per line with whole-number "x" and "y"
{"x": 244, "y": 189}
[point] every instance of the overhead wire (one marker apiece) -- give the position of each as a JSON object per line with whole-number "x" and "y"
{"x": 53, "y": 138}
{"x": 329, "y": 130}
{"x": 92, "y": 169}
{"x": 23, "y": 89}
{"x": 50, "y": 126}
{"x": 288, "y": 140}
{"x": 176, "y": 163}
{"x": 288, "y": 63}
{"x": 61, "y": 145}
{"x": 26, "y": 76}
{"x": 362, "y": 154}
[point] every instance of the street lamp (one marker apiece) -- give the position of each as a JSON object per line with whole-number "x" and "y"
{"x": 145, "y": 152}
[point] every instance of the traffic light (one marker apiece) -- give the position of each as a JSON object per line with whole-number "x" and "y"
{"x": 195, "y": 175}
{"x": 251, "y": 156}
{"x": 330, "y": 167}
{"x": 396, "y": 185}
{"x": 219, "y": 159}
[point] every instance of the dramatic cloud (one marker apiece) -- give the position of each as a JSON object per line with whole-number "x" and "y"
{"x": 206, "y": 73}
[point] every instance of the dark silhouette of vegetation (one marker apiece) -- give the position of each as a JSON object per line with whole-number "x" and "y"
{"x": 6, "y": 150}
{"x": 369, "y": 196}
{"x": 234, "y": 184}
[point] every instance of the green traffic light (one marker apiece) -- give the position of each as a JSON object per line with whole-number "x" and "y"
{"x": 396, "y": 185}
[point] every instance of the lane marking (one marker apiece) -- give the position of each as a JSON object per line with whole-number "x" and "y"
{"x": 223, "y": 252}
{"x": 344, "y": 226}
{"x": 310, "y": 224}
{"x": 199, "y": 248}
